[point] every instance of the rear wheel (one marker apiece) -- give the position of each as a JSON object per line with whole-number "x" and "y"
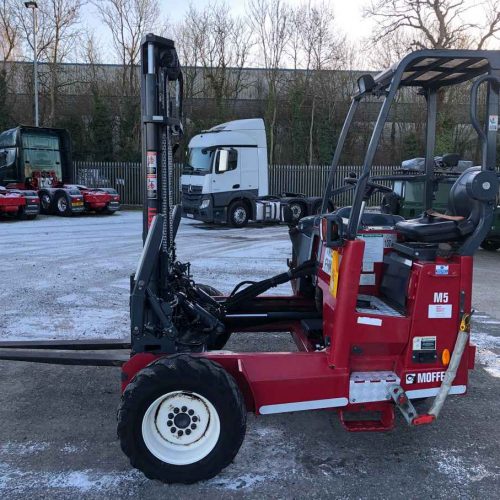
{"x": 298, "y": 210}
{"x": 182, "y": 419}
{"x": 238, "y": 214}
{"x": 490, "y": 245}
{"x": 62, "y": 205}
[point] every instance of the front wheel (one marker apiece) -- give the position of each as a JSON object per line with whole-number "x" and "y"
{"x": 45, "y": 203}
{"x": 182, "y": 419}
{"x": 490, "y": 245}
{"x": 238, "y": 214}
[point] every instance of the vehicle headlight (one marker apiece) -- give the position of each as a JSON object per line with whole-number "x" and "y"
{"x": 205, "y": 203}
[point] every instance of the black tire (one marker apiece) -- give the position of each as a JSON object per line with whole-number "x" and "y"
{"x": 221, "y": 340}
{"x": 21, "y": 215}
{"x": 238, "y": 214}
{"x": 45, "y": 204}
{"x": 181, "y": 376}
{"x": 62, "y": 206}
{"x": 298, "y": 210}
{"x": 490, "y": 246}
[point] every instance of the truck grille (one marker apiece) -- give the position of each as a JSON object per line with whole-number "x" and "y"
{"x": 191, "y": 195}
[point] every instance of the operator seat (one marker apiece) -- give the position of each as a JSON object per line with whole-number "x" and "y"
{"x": 465, "y": 200}
{"x": 371, "y": 218}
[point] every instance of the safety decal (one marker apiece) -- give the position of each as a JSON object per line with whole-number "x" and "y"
{"x": 366, "y": 320}
{"x": 327, "y": 261}
{"x": 442, "y": 269}
{"x": 440, "y": 311}
{"x": 493, "y": 123}
{"x": 424, "y": 343}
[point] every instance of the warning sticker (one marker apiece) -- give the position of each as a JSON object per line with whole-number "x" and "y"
{"x": 424, "y": 344}
{"x": 440, "y": 310}
{"x": 151, "y": 174}
{"x": 493, "y": 123}
{"x": 389, "y": 240}
{"x": 367, "y": 279}
{"x": 327, "y": 262}
{"x": 374, "y": 250}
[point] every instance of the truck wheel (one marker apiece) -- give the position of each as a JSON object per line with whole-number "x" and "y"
{"x": 45, "y": 203}
{"x": 298, "y": 210}
{"x": 238, "y": 214}
{"x": 221, "y": 340}
{"x": 62, "y": 205}
{"x": 490, "y": 245}
{"x": 181, "y": 419}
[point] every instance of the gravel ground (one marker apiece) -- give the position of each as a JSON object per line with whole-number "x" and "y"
{"x": 69, "y": 278}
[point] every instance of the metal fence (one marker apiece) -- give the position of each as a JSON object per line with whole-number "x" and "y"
{"x": 126, "y": 178}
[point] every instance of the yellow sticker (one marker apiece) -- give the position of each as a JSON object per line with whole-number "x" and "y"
{"x": 334, "y": 275}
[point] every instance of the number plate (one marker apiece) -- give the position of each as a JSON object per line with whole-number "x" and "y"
{"x": 190, "y": 216}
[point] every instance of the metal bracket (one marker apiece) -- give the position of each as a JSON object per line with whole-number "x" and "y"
{"x": 404, "y": 404}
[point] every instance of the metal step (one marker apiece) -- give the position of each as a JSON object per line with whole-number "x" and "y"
{"x": 369, "y": 387}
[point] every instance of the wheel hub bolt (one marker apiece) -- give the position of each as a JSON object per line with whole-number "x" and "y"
{"x": 191, "y": 412}
{"x": 169, "y": 423}
{"x": 173, "y": 430}
{"x": 193, "y": 426}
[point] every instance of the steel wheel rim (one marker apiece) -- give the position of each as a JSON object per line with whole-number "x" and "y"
{"x": 296, "y": 210}
{"x": 192, "y": 444}
{"x": 240, "y": 215}
{"x": 45, "y": 201}
{"x": 62, "y": 204}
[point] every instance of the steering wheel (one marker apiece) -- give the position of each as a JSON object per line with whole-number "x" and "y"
{"x": 371, "y": 187}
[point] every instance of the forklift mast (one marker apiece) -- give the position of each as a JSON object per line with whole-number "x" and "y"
{"x": 161, "y": 114}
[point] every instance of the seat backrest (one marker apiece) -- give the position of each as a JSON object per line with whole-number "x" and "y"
{"x": 469, "y": 190}
{"x": 459, "y": 200}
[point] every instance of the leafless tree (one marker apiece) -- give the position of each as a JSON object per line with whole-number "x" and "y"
{"x": 10, "y": 30}
{"x": 436, "y": 24}
{"x": 220, "y": 44}
{"x": 128, "y": 21}
{"x": 271, "y": 24}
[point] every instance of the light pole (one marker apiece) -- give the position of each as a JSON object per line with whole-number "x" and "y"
{"x": 33, "y": 6}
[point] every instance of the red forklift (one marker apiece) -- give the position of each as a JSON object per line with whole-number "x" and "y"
{"x": 40, "y": 159}
{"x": 380, "y": 310}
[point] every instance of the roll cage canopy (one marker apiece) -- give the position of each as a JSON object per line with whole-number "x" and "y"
{"x": 430, "y": 70}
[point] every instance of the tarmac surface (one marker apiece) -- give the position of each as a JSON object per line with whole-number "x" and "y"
{"x": 68, "y": 278}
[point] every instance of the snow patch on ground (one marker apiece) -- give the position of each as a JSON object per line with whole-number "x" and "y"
{"x": 458, "y": 470}
{"x": 22, "y": 449}
{"x": 488, "y": 351}
{"x": 245, "y": 481}
{"x": 13, "y": 480}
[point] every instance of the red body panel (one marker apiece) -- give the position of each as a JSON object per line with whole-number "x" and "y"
{"x": 356, "y": 341}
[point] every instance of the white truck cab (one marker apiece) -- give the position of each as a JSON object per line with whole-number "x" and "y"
{"x": 225, "y": 177}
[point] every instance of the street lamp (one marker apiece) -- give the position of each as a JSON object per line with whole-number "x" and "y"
{"x": 33, "y": 6}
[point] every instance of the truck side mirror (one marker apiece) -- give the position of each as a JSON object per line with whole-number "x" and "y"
{"x": 222, "y": 161}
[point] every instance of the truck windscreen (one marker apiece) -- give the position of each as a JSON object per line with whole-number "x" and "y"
{"x": 199, "y": 161}
{"x": 41, "y": 152}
